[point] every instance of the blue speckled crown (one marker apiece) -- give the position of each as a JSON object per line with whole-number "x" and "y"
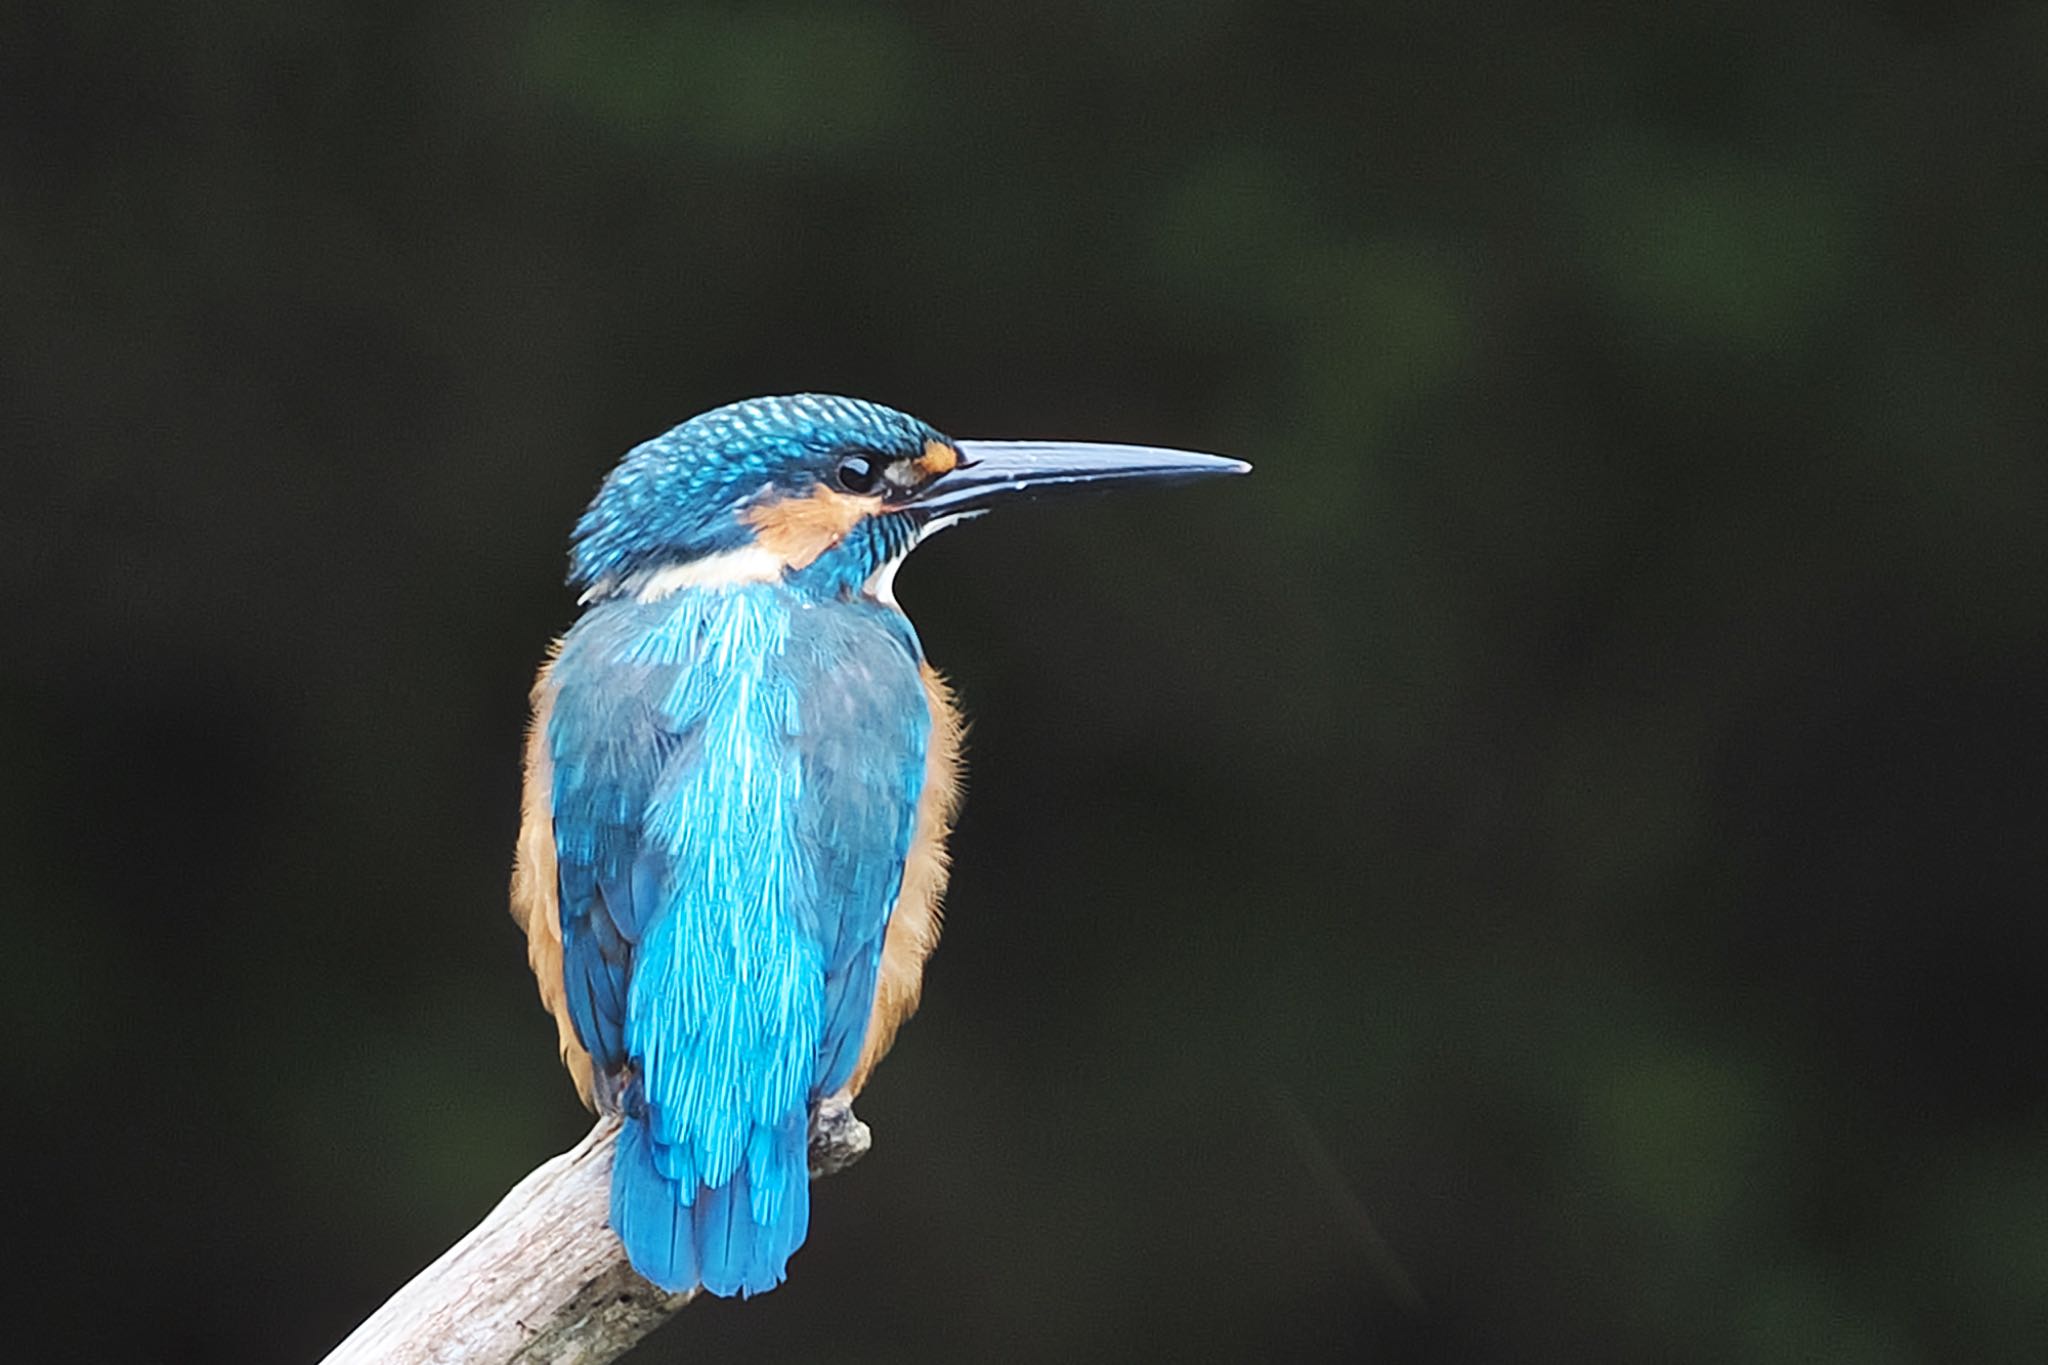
{"x": 678, "y": 496}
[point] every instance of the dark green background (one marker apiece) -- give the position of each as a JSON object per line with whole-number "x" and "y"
{"x": 1549, "y": 868}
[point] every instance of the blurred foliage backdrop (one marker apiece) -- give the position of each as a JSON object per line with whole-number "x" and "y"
{"x": 1549, "y": 869}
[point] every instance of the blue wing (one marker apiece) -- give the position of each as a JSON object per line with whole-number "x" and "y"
{"x": 736, "y": 776}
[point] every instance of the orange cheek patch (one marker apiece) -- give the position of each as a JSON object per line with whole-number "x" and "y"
{"x": 798, "y": 530}
{"x": 938, "y": 458}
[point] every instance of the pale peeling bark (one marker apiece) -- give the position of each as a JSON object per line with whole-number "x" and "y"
{"x": 542, "y": 1280}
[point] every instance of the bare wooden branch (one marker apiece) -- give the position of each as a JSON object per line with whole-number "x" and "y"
{"x": 542, "y": 1280}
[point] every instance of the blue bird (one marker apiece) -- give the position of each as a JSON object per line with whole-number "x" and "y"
{"x": 740, "y": 778}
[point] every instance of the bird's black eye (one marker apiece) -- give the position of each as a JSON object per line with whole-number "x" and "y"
{"x": 857, "y": 473}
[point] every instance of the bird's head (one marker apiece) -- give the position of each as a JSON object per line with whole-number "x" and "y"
{"x": 826, "y": 494}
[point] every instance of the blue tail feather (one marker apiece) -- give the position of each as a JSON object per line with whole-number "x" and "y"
{"x": 649, "y": 1215}
{"x": 734, "y": 1238}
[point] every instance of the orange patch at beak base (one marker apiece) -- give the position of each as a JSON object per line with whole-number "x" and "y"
{"x": 938, "y": 458}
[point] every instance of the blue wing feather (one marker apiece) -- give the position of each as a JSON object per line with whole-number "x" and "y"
{"x": 736, "y": 776}
{"x": 608, "y": 743}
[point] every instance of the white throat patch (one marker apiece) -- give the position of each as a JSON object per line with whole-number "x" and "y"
{"x": 881, "y": 584}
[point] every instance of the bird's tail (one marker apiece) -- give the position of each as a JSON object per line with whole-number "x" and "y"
{"x": 734, "y": 1238}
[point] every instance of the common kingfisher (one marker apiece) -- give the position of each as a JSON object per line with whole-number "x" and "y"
{"x": 740, "y": 778}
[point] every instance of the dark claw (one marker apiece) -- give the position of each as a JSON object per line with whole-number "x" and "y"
{"x": 838, "y": 1139}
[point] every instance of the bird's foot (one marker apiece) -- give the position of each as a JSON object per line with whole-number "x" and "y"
{"x": 838, "y": 1139}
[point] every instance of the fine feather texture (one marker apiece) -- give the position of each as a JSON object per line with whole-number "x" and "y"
{"x": 535, "y": 904}
{"x": 914, "y": 924}
{"x": 735, "y": 775}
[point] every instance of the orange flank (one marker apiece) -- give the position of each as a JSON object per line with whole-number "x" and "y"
{"x": 914, "y": 924}
{"x": 534, "y": 881}
{"x": 797, "y": 530}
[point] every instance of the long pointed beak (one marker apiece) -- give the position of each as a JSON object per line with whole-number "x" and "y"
{"x": 1017, "y": 471}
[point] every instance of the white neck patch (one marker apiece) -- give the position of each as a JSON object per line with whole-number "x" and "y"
{"x": 881, "y": 584}
{"x": 731, "y": 568}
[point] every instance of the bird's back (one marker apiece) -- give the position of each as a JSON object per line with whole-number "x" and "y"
{"x": 735, "y": 775}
